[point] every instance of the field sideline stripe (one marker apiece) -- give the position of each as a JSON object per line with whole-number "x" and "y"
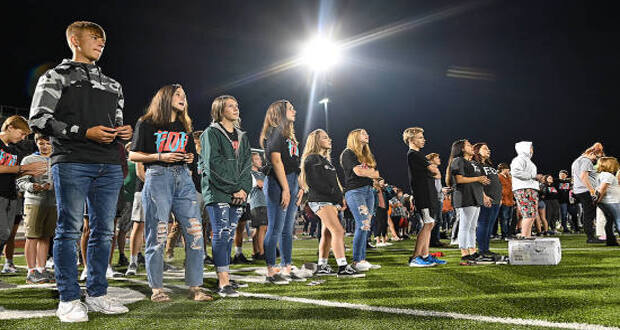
{"x": 425, "y": 313}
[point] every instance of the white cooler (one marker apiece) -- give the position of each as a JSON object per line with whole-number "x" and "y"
{"x": 540, "y": 251}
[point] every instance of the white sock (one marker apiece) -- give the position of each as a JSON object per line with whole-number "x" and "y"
{"x": 322, "y": 261}
{"x": 133, "y": 259}
{"x": 341, "y": 261}
{"x": 238, "y": 250}
{"x": 41, "y": 269}
{"x": 30, "y": 270}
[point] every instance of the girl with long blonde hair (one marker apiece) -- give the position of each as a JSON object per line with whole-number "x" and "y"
{"x": 608, "y": 192}
{"x": 320, "y": 180}
{"x": 280, "y": 187}
{"x": 359, "y": 167}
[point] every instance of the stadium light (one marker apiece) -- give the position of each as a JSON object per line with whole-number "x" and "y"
{"x": 320, "y": 54}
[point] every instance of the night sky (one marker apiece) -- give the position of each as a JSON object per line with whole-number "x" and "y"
{"x": 552, "y": 68}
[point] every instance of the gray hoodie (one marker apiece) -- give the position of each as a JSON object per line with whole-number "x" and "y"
{"x": 522, "y": 169}
{"x": 26, "y": 183}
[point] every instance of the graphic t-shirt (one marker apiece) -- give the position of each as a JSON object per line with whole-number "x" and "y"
{"x": 421, "y": 182}
{"x": 551, "y": 192}
{"x": 9, "y": 156}
{"x": 348, "y": 160}
{"x": 233, "y": 137}
{"x": 288, "y": 149}
{"x": 564, "y": 187}
{"x": 465, "y": 194}
{"x": 493, "y": 189}
{"x": 172, "y": 138}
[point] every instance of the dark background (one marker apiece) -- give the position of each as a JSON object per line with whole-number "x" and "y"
{"x": 555, "y": 65}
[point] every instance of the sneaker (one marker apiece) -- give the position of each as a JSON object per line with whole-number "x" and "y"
{"x": 362, "y": 266}
{"x": 170, "y": 268}
{"x": 122, "y": 261}
{"x": 9, "y": 269}
{"x": 240, "y": 259}
{"x": 325, "y": 270}
{"x": 434, "y": 260}
{"x": 84, "y": 274}
{"x": 371, "y": 266}
{"x": 420, "y": 262}
{"x": 257, "y": 256}
{"x": 208, "y": 260}
{"x": 105, "y": 305}
{"x": 228, "y": 291}
{"x": 348, "y": 271}
{"x": 36, "y": 277}
{"x": 72, "y": 311}
{"x": 132, "y": 270}
{"x": 293, "y": 277}
{"x": 50, "y": 276}
{"x": 277, "y": 279}
{"x": 482, "y": 259}
{"x": 236, "y": 285}
{"x": 49, "y": 263}
{"x": 111, "y": 273}
{"x": 141, "y": 260}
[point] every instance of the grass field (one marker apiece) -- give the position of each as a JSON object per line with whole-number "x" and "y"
{"x": 584, "y": 288}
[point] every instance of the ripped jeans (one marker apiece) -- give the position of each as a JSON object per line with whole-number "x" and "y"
{"x": 224, "y": 218}
{"x": 171, "y": 189}
{"x": 360, "y": 201}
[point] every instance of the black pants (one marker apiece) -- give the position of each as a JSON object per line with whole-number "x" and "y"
{"x": 553, "y": 212}
{"x": 381, "y": 225}
{"x": 435, "y": 212}
{"x": 589, "y": 213}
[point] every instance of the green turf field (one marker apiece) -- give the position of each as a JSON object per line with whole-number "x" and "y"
{"x": 584, "y": 288}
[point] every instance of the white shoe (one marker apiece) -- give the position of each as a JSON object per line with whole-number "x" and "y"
{"x": 72, "y": 311}
{"x": 84, "y": 274}
{"x": 49, "y": 264}
{"x": 369, "y": 265}
{"x": 388, "y": 244}
{"x": 105, "y": 305}
{"x": 362, "y": 266}
{"x": 111, "y": 273}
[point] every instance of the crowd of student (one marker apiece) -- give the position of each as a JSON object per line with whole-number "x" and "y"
{"x": 210, "y": 183}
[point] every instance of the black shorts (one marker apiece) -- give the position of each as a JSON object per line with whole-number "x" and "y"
{"x": 259, "y": 216}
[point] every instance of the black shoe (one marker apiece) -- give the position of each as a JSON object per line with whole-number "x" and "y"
{"x": 348, "y": 271}
{"x": 595, "y": 241}
{"x": 228, "y": 291}
{"x": 122, "y": 261}
{"x": 236, "y": 285}
{"x": 257, "y": 256}
{"x": 240, "y": 259}
{"x": 277, "y": 279}
{"x": 465, "y": 259}
{"x": 208, "y": 260}
{"x": 325, "y": 270}
{"x": 141, "y": 260}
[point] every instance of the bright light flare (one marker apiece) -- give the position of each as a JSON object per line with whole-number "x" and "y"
{"x": 324, "y": 101}
{"x": 320, "y": 54}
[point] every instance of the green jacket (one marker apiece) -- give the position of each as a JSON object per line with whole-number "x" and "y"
{"x": 224, "y": 170}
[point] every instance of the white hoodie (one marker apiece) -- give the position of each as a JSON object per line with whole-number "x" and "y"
{"x": 522, "y": 169}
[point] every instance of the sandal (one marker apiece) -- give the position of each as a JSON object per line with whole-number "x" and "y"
{"x": 198, "y": 295}
{"x": 160, "y": 297}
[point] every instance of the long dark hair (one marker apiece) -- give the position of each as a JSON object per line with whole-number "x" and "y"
{"x": 478, "y": 156}
{"x": 455, "y": 151}
{"x": 160, "y": 109}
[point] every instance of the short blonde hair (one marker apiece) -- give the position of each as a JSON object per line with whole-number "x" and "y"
{"x": 17, "y": 122}
{"x": 81, "y": 26}
{"x": 608, "y": 164}
{"x": 410, "y": 133}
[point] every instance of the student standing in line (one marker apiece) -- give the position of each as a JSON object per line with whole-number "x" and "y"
{"x": 564, "y": 188}
{"x": 163, "y": 142}
{"x": 318, "y": 177}
{"x": 381, "y": 216}
{"x": 281, "y": 188}
{"x": 422, "y": 174}
{"x": 552, "y": 203}
{"x": 434, "y": 159}
{"x": 466, "y": 178}
{"x": 525, "y": 186}
{"x": 82, "y": 110}
{"x": 609, "y": 196}
{"x": 506, "y": 208}
{"x": 226, "y": 182}
{"x": 258, "y": 207}
{"x": 584, "y": 187}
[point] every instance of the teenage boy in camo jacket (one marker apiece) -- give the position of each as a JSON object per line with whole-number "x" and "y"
{"x": 82, "y": 110}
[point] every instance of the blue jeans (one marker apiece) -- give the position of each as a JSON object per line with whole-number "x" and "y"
{"x": 505, "y": 215}
{"x": 486, "y": 221}
{"x": 169, "y": 189}
{"x": 612, "y": 215}
{"x": 360, "y": 201}
{"x": 99, "y": 185}
{"x": 224, "y": 218}
{"x": 280, "y": 221}
{"x": 564, "y": 215}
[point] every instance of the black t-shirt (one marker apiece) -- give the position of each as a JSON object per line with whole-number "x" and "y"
{"x": 9, "y": 156}
{"x": 150, "y": 139}
{"x": 348, "y": 160}
{"x": 421, "y": 182}
{"x": 550, "y": 192}
{"x": 564, "y": 187}
{"x": 493, "y": 189}
{"x": 232, "y": 136}
{"x": 288, "y": 149}
{"x": 465, "y": 194}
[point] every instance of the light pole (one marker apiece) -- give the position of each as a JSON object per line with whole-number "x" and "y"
{"x": 324, "y": 102}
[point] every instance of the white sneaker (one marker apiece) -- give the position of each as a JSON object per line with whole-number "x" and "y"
{"x": 105, "y": 305}
{"x": 49, "y": 264}
{"x": 369, "y": 265}
{"x": 362, "y": 266}
{"x": 388, "y": 244}
{"x": 72, "y": 311}
{"x": 84, "y": 274}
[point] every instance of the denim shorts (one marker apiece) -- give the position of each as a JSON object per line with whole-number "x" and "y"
{"x": 316, "y": 206}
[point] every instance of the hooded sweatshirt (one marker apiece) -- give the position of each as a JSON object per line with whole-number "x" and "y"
{"x": 522, "y": 169}
{"x": 26, "y": 183}
{"x": 225, "y": 169}
{"x": 70, "y": 99}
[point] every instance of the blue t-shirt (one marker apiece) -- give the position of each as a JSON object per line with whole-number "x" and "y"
{"x": 257, "y": 197}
